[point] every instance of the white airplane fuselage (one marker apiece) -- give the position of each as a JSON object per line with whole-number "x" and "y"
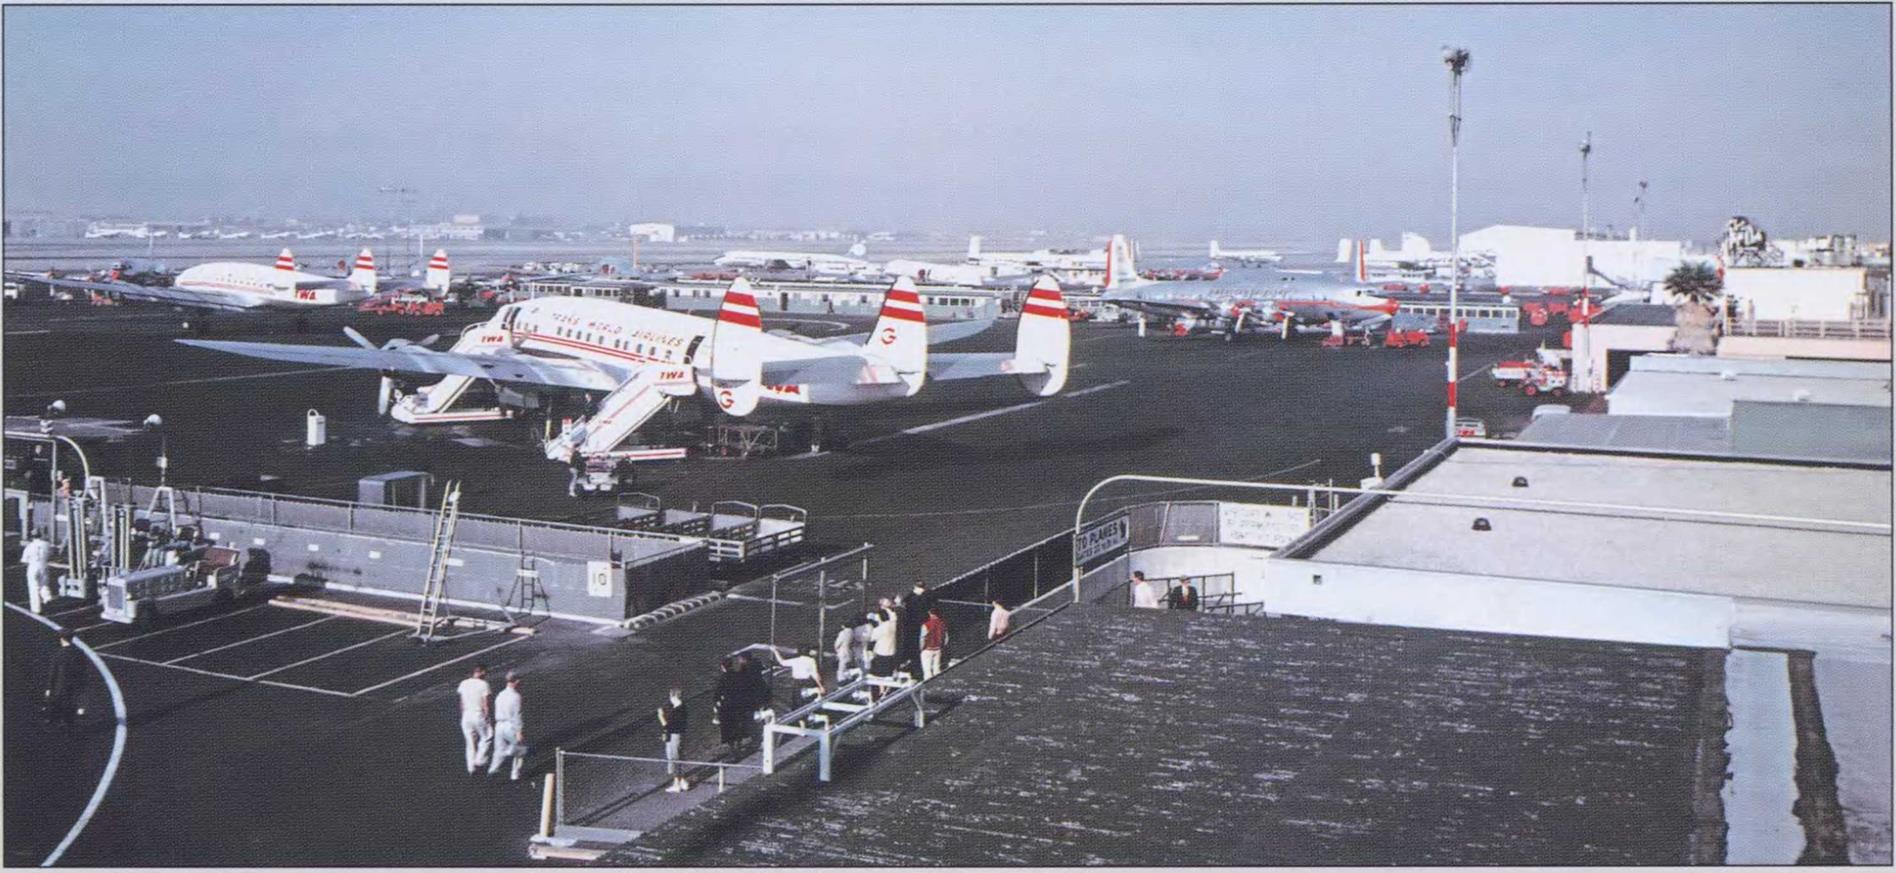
{"x": 251, "y": 286}
{"x": 624, "y": 335}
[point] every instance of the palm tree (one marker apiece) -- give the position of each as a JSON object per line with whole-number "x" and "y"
{"x": 1694, "y": 288}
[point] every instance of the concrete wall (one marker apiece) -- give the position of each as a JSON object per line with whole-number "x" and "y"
{"x": 1803, "y": 347}
{"x": 1414, "y": 598}
{"x": 1245, "y": 564}
{"x": 1592, "y": 342}
{"x": 483, "y": 576}
{"x": 1856, "y": 634}
{"x": 1809, "y": 293}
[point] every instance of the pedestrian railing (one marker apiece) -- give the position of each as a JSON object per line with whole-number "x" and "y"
{"x": 599, "y": 791}
{"x": 1810, "y": 328}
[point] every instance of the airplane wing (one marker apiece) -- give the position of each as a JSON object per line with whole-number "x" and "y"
{"x": 945, "y": 332}
{"x": 500, "y": 367}
{"x": 974, "y": 365}
{"x": 1163, "y": 307}
{"x": 178, "y": 296}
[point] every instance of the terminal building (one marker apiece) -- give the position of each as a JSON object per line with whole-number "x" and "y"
{"x": 1543, "y": 257}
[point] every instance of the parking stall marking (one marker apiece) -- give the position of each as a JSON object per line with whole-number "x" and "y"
{"x": 233, "y": 677}
{"x": 331, "y": 653}
{"x": 248, "y": 640}
{"x": 381, "y": 685}
{"x": 176, "y": 627}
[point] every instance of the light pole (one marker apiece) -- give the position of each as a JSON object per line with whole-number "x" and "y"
{"x": 155, "y": 424}
{"x": 1456, "y": 59}
{"x": 1586, "y": 218}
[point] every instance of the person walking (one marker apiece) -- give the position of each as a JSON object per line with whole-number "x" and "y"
{"x": 997, "y": 621}
{"x": 1183, "y": 597}
{"x": 934, "y": 640}
{"x": 476, "y": 716}
{"x": 510, "y": 727}
{"x": 673, "y": 718}
{"x": 64, "y": 680}
{"x": 37, "y": 554}
{"x": 1143, "y": 597}
{"x": 914, "y": 611}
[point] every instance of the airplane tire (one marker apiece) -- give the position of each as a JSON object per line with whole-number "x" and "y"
{"x": 1529, "y": 390}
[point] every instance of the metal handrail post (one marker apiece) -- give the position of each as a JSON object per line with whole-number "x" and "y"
{"x": 559, "y": 786}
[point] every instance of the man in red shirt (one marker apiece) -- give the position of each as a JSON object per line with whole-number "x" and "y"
{"x": 934, "y": 639}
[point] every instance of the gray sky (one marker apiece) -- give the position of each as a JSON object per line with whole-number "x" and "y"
{"x": 1254, "y": 123}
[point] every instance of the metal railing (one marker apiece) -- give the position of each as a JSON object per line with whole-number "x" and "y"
{"x": 620, "y": 795}
{"x": 1810, "y": 328}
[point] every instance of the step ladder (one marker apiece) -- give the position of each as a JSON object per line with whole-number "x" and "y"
{"x": 434, "y": 611}
{"x": 527, "y": 604}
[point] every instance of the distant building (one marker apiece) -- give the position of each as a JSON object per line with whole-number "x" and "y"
{"x": 700, "y": 231}
{"x": 653, "y": 232}
{"x": 1814, "y": 293}
{"x": 1543, "y": 257}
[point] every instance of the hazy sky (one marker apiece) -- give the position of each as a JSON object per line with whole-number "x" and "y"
{"x": 1254, "y": 123}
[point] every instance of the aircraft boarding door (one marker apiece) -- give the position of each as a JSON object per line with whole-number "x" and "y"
{"x": 783, "y": 301}
{"x": 507, "y": 321}
{"x": 691, "y": 351}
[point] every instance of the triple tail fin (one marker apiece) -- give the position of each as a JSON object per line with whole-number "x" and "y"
{"x": 1045, "y": 339}
{"x": 737, "y": 363}
{"x": 900, "y": 336}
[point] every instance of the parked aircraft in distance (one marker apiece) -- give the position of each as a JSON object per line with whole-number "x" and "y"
{"x": 639, "y": 358}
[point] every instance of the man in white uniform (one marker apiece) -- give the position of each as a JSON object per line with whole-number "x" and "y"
{"x": 803, "y": 668}
{"x": 510, "y": 728}
{"x": 38, "y": 557}
{"x": 476, "y": 724}
{"x": 1143, "y": 597}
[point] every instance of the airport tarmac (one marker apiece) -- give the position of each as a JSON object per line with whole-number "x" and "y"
{"x": 338, "y": 771}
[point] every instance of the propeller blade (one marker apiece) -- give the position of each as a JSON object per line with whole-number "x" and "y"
{"x": 359, "y": 339}
{"x": 384, "y": 395}
{"x": 429, "y": 340}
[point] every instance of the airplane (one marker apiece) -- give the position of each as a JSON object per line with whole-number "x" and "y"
{"x": 1292, "y": 302}
{"x": 640, "y": 358}
{"x": 434, "y": 280}
{"x": 237, "y": 285}
{"x": 816, "y": 262}
{"x": 1245, "y": 257}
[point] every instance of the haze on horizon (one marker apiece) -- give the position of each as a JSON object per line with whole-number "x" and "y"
{"x": 1269, "y": 123}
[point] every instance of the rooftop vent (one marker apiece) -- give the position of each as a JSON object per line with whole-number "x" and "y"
{"x": 1801, "y": 395}
{"x": 1520, "y": 481}
{"x": 1482, "y": 524}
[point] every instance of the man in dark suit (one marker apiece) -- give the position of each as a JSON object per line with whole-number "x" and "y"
{"x": 65, "y": 680}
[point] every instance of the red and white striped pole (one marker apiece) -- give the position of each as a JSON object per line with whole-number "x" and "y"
{"x": 1457, "y": 61}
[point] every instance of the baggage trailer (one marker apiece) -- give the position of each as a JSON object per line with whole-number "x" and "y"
{"x": 734, "y": 531}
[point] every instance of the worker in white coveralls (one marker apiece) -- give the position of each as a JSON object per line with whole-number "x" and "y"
{"x": 38, "y": 557}
{"x": 510, "y": 728}
{"x": 476, "y": 714}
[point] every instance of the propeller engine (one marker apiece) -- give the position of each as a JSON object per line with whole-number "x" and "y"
{"x": 385, "y": 391}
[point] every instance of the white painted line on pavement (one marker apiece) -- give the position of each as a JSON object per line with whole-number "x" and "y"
{"x": 248, "y": 640}
{"x": 1018, "y": 407}
{"x": 231, "y": 676}
{"x": 327, "y": 654}
{"x": 438, "y": 666}
{"x": 114, "y": 389}
{"x": 179, "y": 627}
{"x": 118, "y": 740}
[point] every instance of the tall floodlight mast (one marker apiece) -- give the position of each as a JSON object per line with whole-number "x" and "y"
{"x": 1586, "y": 218}
{"x": 1456, "y": 59}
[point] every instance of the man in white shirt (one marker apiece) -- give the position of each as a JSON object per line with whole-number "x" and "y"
{"x": 803, "y": 668}
{"x": 476, "y": 716}
{"x": 38, "y": 557}
{"x": 510, "y": 728}
{"x": 997, "y": 621}
{"x": 882, "y": 637}
{"x": 1143, "y": 596}
{"x": 845, "y": 646}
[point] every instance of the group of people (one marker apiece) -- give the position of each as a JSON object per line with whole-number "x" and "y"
{"x": 903, "y": 634}
{"x": 1180, "y": 596}
{"x": 492, "y": 723}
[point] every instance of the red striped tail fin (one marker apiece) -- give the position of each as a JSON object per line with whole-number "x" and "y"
{"x": 900, "y": 335}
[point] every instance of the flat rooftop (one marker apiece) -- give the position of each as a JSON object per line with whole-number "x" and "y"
{"x": 1133, "y": 737}
{"x": 1774, "y": 560}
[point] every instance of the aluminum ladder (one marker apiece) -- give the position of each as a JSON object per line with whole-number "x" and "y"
{"x": 434, "y": 590}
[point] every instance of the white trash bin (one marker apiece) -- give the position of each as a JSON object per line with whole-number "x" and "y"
{"x": 317, "y": 430}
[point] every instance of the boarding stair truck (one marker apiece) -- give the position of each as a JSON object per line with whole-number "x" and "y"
{"x": 199, "y": 577}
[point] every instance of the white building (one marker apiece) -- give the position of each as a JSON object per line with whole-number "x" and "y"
{"x": 653, "y": 232}
{"x": 1556, "y": 257}
{"x": 1807, "y": 294}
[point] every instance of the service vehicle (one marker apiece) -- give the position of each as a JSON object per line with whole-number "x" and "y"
{"x": 197, "y": 578}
